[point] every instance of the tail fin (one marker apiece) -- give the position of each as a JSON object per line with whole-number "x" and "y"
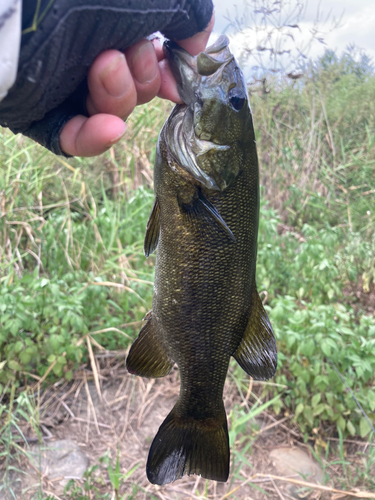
{"x": 184, "y": 445}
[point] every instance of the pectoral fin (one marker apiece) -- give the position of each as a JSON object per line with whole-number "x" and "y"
{"x": 214, "y": 214}
{"x": 257, "y": 353}
{"x": 148, "y": 357}
{"x": 152, "y": 230}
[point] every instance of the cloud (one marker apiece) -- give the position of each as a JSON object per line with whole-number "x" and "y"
{"x": 358, "y": 28}
{"x": 357, "y": 25}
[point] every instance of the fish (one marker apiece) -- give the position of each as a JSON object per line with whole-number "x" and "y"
{"x": 204, "y": 225}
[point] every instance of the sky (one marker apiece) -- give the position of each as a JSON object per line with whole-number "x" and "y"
{"x": 356, "y": 24}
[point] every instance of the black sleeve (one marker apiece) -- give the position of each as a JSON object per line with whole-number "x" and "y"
{"x": 51, "y": 85}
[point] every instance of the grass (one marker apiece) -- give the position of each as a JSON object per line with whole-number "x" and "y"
{"x": 75, "y": 284}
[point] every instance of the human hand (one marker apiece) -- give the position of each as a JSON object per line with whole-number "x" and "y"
{"x": 117, "y": 83}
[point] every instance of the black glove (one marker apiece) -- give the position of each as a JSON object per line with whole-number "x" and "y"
{"x": 51, "y": 84}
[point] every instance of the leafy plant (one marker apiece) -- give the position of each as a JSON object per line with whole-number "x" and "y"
{"x": 44, "y": 319}
{"x": 325, "y": 349}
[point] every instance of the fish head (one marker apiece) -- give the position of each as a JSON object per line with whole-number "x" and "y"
{"x": 207, "y": 135}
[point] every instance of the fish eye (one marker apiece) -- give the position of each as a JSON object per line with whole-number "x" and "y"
{"x": 237, "y": 102}
{"x": 236, "y": 98}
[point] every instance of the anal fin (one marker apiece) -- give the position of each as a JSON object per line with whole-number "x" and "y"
{"x": 257, "y": 353}
{"x": 152, "y": 230}
{"x": 148, "y": 356}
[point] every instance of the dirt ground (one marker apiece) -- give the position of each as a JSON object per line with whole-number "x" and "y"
{"x": 125, "y": 414}
{"x": 359, "y": 299}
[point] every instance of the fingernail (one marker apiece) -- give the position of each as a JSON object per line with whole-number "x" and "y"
{"x": 117, "y": 138}
{"x": 115, "y": 76}
{"x": 143, "y": 63}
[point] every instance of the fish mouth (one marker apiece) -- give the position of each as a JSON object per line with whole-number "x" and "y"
{"x": 184, "y": 69}
{"x": 186, "y": 140}
{"x": 188, "y": 70}
{"x": 186, "y": 147}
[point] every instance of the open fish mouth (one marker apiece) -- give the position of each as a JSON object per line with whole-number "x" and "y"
{"x": 188, "y": 70}
{"x": 196, "y": 147}
{"x": 186, "y": 148}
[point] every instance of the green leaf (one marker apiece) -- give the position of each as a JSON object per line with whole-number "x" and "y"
{"x": 315, "y": 399}
{"x": 25, "y": 357}
{"x": 321, "y": 381}
{"x": 57, "y": 370}
{"x": 4, "y": 317}
{"x": 299, "y": 409}
{"x": 308, "y": 414}
{"x": 326, "y": 348}
{"x": 364, "y": 427}
{"x": 334, "y": 379}
{"x": 18, "y": 346}
{"x": 308, "y": 348}
{"x": 329, "y": 397}
{"x": 61, "y": 360}
{"x": 319, "y": 409}
{"x": 351, "y": 428}
{"x": 126, "y": 476}
{"x": 15, "y": 327}
{"x": 114, "y": 474}
{"x": 341, "y": 423}
{"x": 13, "y": 365}
{"x": 55, "y": 341}
{"x": 51, "y": 358}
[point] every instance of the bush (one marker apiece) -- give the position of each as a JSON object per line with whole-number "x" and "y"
{"x": 44, "y": 322}
{"x": 326, "y": 349}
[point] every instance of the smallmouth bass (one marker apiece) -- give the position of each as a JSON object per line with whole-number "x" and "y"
{"x": 204, "y": 222}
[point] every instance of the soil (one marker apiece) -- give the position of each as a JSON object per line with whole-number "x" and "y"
{"x": 360, "y": 300}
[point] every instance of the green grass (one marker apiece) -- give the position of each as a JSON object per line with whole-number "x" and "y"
{"x": 316, "y": 143}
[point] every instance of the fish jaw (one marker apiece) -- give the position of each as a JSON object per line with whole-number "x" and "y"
{"x": 184, "y": 69}
{"x": 188, "y": 70}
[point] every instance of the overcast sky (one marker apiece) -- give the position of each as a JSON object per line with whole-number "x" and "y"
{"x": 357, "y": 22}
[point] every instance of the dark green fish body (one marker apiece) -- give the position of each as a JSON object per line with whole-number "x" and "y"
{"x": 204, "y": 222}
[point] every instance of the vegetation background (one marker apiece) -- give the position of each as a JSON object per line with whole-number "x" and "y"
{"x": 73, "y": 277}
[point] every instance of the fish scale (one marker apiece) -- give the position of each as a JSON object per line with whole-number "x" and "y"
{"x": 204, "y": 224}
